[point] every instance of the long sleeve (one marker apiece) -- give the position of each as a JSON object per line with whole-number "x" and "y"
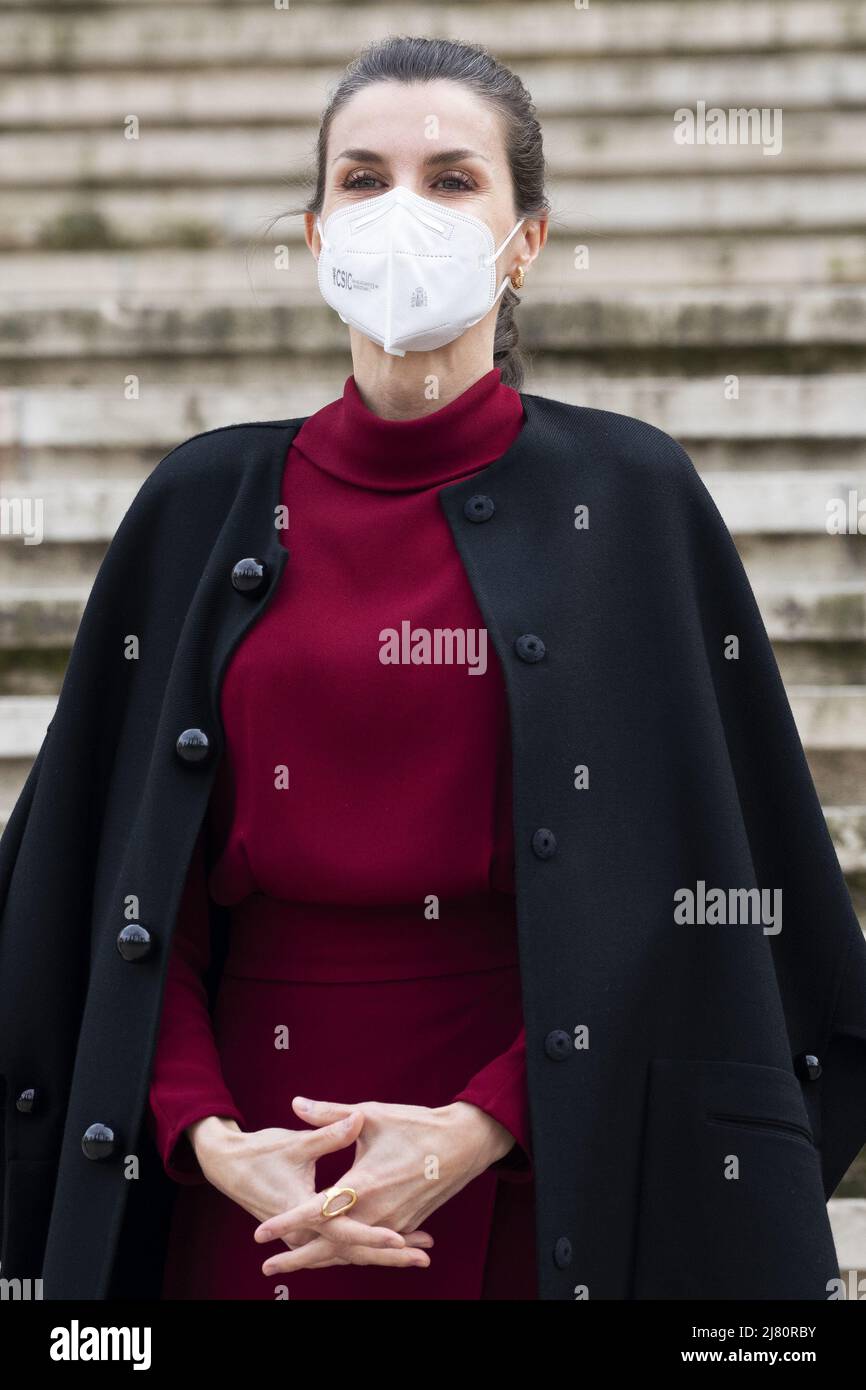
{"x": 500, "y": 1090}
{"x": 186, "y": 1081}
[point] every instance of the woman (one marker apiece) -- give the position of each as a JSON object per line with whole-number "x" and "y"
{"x": 372, "y": 885}
{"x": 463, "y": 809}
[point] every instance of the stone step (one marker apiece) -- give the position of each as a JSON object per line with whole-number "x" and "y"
{"x": 42, "y": 464}
{"x": 848, "y": 828}
{"x": 807, "y": 261}
{"x": 38, "y": 670}
{"x": 568, "y": 317}
{"x": 90, "y": 509}
{"x": 808, "y": 586}
{"x": 803, "y": 581}
{"x": 769, "y": 22}
{"x": 814, "y": 612}
{"x": 79, "y": 510}
{"x": 24, "y": 719}
{"x": 830, "y": 717}
{"x": 779, "y": 408}
{"x": 827, "y": 717}
{"x": 840, "y": 776}
{"x": 82, "y": 219}
{"x": 848, "y": 1224}
{"x": 591, "y": 145}
{"x": 800, "y": 663}
{"x": 161, "y": 93}
{"x": 791, "y": 503}
{"x": 256, "y": 379}
{"x": 40, "y": 615}
{"x": 37, "y": 618}
{"x": 23, "y": 723}
{"x": 134, "y": 36}
{"x": 40, "y": 647}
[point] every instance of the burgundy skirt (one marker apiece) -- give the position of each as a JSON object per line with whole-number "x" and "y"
{"x": 376, "y": 1006}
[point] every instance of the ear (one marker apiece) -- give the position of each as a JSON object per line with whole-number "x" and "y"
{"x": 311, "y": 234}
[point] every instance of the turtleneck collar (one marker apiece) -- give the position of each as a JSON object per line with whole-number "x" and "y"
{"x": 348, "y": 440}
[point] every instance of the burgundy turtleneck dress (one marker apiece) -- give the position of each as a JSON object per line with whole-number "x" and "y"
{"x": 359, "y": 831}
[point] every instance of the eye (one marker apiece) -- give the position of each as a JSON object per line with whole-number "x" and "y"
{"x": 360, "y": 178}
{"x": 453, "y": 180}
{"x": 462, "y": 180}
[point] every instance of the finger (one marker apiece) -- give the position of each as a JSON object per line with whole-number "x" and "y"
{"x": 315, "y": 1254}
{"x": 320, "y": 1112}
{"x": 293, "y": 1220}
{"x": 318, "y": 1253}
{"x": 340, "y": 1230}
{"x": 418, "y": 1238}
{"x": 333, "y": 1136}
{"x": 304, "y": 1237}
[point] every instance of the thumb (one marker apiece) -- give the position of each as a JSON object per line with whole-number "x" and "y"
{"x": 336, "y": 1135}
{"x": 320, "y": 1112}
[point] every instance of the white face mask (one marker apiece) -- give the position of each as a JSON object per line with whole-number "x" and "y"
{"x": 408, "y": 272}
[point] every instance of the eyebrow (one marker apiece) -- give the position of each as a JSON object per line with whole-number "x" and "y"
{"x": 443, "y": 157}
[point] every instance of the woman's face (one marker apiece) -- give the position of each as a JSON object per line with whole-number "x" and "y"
{"x": 436, "y": 138}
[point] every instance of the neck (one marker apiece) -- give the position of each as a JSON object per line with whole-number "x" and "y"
{"x": 402, "y": 388}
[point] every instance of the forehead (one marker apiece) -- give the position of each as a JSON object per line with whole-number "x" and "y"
{"x": 393, "y": 118}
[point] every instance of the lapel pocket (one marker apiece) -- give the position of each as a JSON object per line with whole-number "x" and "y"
{"x": 731, "y": 1195}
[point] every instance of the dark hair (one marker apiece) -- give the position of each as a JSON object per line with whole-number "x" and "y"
{"x": 405, "y": 58}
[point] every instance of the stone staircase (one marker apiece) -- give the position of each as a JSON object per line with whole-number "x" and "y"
{"x": 154, "y": 257}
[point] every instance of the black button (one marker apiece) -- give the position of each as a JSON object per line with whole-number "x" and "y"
{"x": 479, "y": 508}
{"x": 562, "y": 1252}
{"x": 193, "y": 745}
{"x": 557, "y": 1044}
{"x": 807, "y": 1066}
{"x": 248, "y": 575}
{"x": 529, "y": 647}
{"x": 544, "y": 844}
{"x": 134, "y": 942}
{"x": 98, "y": 1141}
{"x": 26, "y": 1102}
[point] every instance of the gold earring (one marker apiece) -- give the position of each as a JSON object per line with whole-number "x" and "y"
{"x": 518, "y": 277}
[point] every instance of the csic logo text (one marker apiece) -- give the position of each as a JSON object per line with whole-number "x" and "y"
{"x": 342, "y": 278}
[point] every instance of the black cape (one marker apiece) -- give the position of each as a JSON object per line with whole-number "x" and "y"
{"x": 657, "y": 1050}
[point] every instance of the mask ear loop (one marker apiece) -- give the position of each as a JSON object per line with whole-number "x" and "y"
{"x": 496, "y": 254}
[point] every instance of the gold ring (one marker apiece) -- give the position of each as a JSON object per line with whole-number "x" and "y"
{"x": 331, "y": 1192}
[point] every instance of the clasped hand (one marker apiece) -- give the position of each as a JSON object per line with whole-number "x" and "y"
{"x": 409, "y": 1160}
